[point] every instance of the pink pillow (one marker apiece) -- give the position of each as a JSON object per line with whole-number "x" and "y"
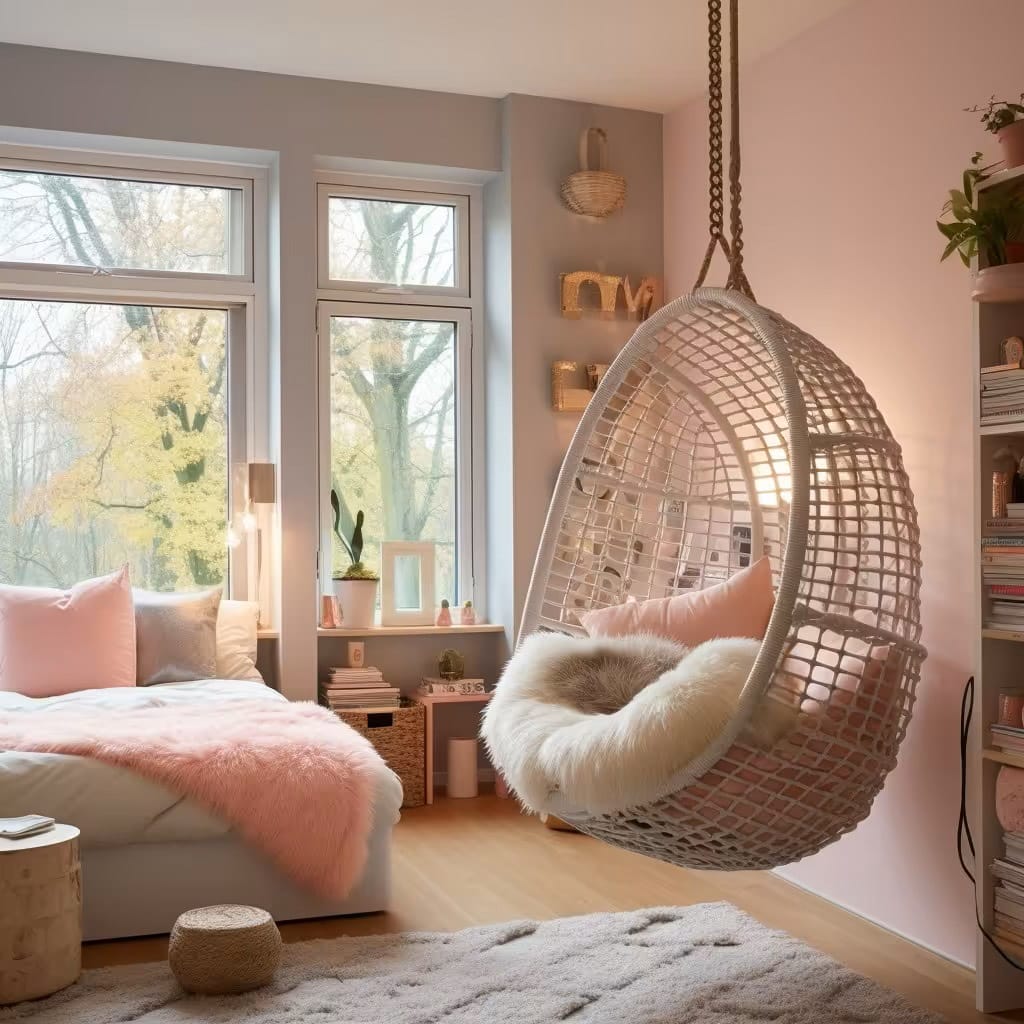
{"x": 61, "y": 641}
{"x": 741, "y": 606}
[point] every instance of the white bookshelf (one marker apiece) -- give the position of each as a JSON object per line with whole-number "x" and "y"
{"x": 999, "y": 658}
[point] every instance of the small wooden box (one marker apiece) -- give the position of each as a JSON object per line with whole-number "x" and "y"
{"x": 397, "y": 735}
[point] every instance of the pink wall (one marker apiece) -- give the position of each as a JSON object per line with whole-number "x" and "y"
{"x": 852, "y": 133}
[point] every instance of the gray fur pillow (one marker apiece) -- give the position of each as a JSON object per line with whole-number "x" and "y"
{"x": 175, "y": 636}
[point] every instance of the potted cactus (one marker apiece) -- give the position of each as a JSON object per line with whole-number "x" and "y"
{"x": 356, "y": 587}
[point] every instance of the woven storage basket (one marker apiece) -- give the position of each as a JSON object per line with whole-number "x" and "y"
{"x": 594, "y": 193}
{"x": 397, "y": 735}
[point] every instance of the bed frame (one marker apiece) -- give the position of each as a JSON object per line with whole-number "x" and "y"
{"x": 140, "y": 889}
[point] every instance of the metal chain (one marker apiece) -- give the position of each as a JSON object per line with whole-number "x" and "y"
{"x": 716, "y": 203}
{"x": 737, "y": 276}
{"x": 715, "y": 134}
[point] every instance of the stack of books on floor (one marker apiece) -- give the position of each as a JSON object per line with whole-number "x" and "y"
{"x": 1009, "y": 895}
{"x": 1002, "y": 571}
{"x": 1002, "y": 393}
{"x": 348, "y": 688}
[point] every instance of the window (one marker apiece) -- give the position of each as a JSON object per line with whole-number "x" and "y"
{"x": 393, "y": 241}
{"x": 123, "y": 403}
{"x": 397, "y": 377}
{"x": 50, "y": 218}
{"x": 113, "y": 443}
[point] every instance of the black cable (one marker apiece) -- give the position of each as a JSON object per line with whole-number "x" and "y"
{"x": 963, "y": 829}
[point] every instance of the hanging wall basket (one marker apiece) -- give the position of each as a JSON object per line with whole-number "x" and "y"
{"x": 594, "y": 193}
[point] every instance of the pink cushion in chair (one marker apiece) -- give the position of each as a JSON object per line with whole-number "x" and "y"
{"x": 61, "y": 641}
{"x": 741, "y": 606}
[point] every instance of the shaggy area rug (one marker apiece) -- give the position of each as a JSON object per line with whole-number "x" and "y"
{"x": 672, "y": 965}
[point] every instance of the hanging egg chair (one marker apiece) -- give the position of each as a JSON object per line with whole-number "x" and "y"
{"x": 721, "y": 433}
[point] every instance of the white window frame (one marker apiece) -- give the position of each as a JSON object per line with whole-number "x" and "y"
{"x": 377, "y": 290}
{"x": 242, "y": 219}
{"x": 462, "y": 306}
{"x": 243, "y": 296}
{"x": 463, "y": 322}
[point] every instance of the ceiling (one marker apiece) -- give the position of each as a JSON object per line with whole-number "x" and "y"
{"x": 646, "y": 54}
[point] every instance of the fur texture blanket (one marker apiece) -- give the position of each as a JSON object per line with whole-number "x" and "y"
{"x": 603, "y": 724}
{"x": 291, "y": 778}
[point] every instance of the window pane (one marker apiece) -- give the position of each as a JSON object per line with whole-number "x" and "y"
{"x": 110, "y": 223}
{"x": 113, "y": 443}
{"x": 393, "y": 453}
{"x": 391, "y": 243}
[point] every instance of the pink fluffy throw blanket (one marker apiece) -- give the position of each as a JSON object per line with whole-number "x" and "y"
{"x": 291, "y": 778}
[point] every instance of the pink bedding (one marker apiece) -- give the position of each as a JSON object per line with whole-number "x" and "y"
{"x": 289, "y": 777}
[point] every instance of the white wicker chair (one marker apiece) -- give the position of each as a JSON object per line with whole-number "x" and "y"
{"x": 722, "y": 432}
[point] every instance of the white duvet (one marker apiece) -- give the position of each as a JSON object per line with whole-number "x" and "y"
{"x": 113, "y": 806}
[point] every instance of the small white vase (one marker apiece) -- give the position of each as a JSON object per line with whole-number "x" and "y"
{"x": 358, "y": 600}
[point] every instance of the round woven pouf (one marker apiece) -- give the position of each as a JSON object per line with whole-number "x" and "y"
{"x": 220, "y": 950}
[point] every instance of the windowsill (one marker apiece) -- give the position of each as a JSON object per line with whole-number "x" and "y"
{"x": 267, "y": 634}
{"x": 382, "y": 631}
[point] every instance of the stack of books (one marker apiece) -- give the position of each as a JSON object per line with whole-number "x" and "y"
{"x": 1008, "y": 737}
{"x": 1002, "y": 570}
{"x": 349, "y": 688}
{"x": 25, "y": 826}
{"x": 1002, "y": 392}
{"x": 1009, "y": 895}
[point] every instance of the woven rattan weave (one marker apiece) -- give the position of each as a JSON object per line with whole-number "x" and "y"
{"x": 720, "y": 433}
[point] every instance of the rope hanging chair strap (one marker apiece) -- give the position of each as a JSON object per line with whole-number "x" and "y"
{"x": 733, "y": 249}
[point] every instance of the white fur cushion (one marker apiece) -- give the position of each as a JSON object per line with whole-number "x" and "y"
{"x": 603, "y": 724}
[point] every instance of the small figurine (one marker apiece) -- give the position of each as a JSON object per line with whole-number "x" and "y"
{"x": 444, "y": 616}
{"x": 451, "y": 664}
{"x": 467, "y": 615}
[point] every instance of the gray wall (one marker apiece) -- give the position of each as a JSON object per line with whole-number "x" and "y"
{"x": 520, "y": 148}
{"x": 527, "y": 331}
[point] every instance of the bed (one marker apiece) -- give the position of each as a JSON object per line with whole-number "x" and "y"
{"x": 148, "y": 853}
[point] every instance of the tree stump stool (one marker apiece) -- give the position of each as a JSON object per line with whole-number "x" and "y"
{"x": 40, "y": 914}
{"x": 224, "y": 949}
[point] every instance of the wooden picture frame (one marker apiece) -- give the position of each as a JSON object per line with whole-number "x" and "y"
{"x": 407, "y": 592}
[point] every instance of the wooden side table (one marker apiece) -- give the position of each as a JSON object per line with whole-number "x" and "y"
{"x": 429, "y": 703}
{"x": 41, "y": 922}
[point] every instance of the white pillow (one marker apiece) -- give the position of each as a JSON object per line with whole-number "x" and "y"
{"x": 236, "y": 640}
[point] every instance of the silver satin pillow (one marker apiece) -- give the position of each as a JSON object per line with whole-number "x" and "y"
{"x": 175, "y": 636}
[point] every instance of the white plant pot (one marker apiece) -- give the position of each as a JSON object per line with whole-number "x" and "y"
{"x": 1004, "y": 283}
{"x": 358, "y": 600}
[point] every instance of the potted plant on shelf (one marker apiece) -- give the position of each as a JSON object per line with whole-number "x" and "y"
{"x": 356, "y": 587}
{"x": 993, "y": 231}
{"x": 1005, "y": 120}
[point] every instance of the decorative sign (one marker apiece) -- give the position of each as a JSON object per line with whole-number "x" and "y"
{"x": 639, "y": 304}
{"x": 565, "y": 373}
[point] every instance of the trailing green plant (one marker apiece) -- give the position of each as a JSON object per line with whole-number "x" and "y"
{"x": 997, "y": 114}
{"x": 986, "y": 230}
{"x": 354, "y": 547}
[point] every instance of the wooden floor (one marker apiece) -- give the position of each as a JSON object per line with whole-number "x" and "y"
{"x": 467, "y": 862}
